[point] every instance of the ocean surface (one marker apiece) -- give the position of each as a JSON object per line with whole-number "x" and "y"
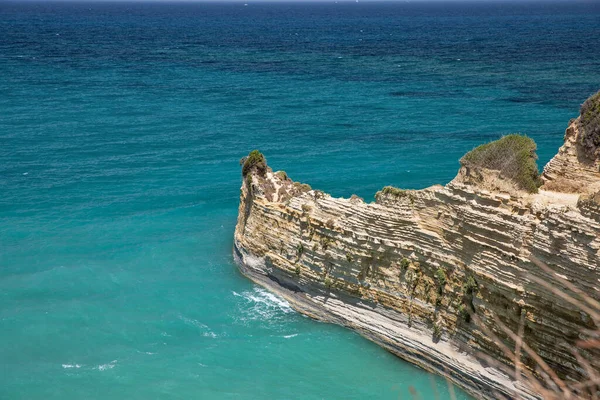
{"x": 121, "y": 128}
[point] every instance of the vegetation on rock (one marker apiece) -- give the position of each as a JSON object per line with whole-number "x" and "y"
{"x": 282, "y": 175}
{"x": 513, "y": 156}
{"x": 590, "y": 124}
{"x": 302, "y": 187}
{"x": 463, "y": 313}
{"x": 404, "y": 263}
{"x": 470, "y": 286}
{"x": 441, "y": 278}
{"x": 325, "y": 241}
{"x": 437, "y": 332}
{"x": 300, "y": 250}
{"x": 254, "y": 160}
{"x": 397, "y": 193}
{"x": 394, "y": 191}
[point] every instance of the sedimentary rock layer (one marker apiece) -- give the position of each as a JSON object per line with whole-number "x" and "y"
{"x": 432, "y": 275}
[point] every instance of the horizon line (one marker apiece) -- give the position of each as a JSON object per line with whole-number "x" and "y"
{"x": 482, "y": 2}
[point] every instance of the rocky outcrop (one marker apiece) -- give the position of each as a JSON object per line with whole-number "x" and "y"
{"x": 414, "y": 270}
{"x": 573, "y": 170}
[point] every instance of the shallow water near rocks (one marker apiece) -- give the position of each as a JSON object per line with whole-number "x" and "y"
{"x": 121, "y": 128}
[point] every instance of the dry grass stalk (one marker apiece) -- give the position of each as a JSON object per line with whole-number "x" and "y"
{"x": 543, "y": 380}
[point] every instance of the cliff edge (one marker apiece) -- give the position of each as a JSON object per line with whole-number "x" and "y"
{"x": 450, "y": 276}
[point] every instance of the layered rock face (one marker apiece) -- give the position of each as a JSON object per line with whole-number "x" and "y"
{"x": 434, "y": 275}
{"x": 573, "y": 169}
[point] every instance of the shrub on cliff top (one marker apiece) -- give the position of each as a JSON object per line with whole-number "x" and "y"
{"x": 390, "y": 190}
{"x": 397, "y": 193}
{"x": 282, "y": 175}
{"x": 590, "y": 124}
{"x": 513, "y": 156}
{"x": 254, "y": 160}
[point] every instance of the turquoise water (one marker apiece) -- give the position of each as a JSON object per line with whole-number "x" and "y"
{"x": 121, "y": 127}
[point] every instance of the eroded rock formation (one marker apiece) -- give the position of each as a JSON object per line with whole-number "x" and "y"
{"x": 412, "y": 270}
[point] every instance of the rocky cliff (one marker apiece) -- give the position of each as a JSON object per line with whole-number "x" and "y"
{"x": 440, "y": 276}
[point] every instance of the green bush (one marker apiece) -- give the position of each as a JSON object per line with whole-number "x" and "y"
{"x": 300, "y": 250}
{"x": 470, "y": 286}
{"x": 513, "y": 156}
{"x": 404, "y": 263}
{"x": 325, "y": 242}
{"x": 440, "y": 277}
{"x": 464, "y": 313}
{"x": 282, "y": 175}
{"x": 590, "y": 124}
{"x": 302, "y": 187}
{"x": 437, "y": 332}
{"x": 397, "y": 193}
{"x": 254, "y": 160}
{"x": 394, "y": 191}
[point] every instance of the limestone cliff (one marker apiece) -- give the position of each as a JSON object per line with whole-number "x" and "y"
{"x": 414, "y": 270}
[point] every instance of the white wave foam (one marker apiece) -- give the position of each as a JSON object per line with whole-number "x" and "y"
{"x": 261, "y": 296}
{"x": 110, "y": 365}
{"x": 146, "y": 352}
{"x": 69, "y": 366}
{"x": 290, "y": 336}
{"x": 263, "y": 304}
{"x": 206, "y": 332}
{"x": 192, "y": 322}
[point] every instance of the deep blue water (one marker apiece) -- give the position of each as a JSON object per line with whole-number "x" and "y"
{"x": 121, "y": 127}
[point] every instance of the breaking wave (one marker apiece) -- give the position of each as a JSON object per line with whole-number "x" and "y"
{"x": 261, "y": 304}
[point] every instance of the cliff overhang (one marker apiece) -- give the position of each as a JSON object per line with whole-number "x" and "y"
{"x": 443, "y": 277}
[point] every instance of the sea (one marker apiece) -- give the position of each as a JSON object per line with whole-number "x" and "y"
{"x": 121, "y": 129}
